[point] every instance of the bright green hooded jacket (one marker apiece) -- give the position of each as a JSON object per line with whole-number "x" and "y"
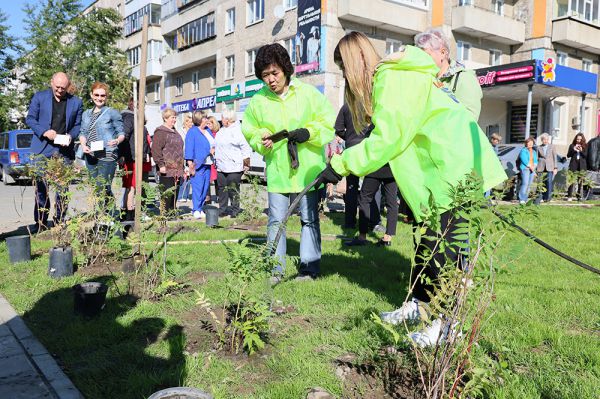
{"x": 466, "y": 89}
{"x": 303, "y": 106}
{"x": 430, "y": 140}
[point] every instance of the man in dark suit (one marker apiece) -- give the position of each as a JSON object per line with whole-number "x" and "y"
{"x": 53, "y": 113}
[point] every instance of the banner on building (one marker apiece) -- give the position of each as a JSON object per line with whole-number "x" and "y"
{"x": 253, "y": 86}
{"x": 195, "y": 104}
{"x": 308, "y": 36}
{"x": 230, "y": 92}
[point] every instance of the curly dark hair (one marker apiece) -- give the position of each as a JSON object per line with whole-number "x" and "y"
{"x": 273, "y": 54}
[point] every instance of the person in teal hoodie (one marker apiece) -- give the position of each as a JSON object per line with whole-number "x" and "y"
{"x": 528, "y": 160}
{"x": 431, "y": 141}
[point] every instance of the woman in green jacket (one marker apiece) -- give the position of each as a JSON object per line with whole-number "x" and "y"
{"x": 285, "y": 103}
{"x": 429, "y": 139}
{"x": 452, "y": 74}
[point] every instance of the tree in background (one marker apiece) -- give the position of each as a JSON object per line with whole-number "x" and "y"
{"x": 83, "y": 46}
{"x": 9, "y": 47}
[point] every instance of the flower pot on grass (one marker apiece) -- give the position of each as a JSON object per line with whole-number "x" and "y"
{"x": 89, "y": 298}
{"x": 61, "y": 262}
{"x": 212, "y": 216}
{"x": 19, "y": 248}
{"x": 180, "y": 393}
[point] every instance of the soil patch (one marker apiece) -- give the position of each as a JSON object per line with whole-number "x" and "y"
{"x": 201, "y": 277}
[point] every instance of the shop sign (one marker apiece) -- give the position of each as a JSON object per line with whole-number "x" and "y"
{"x": 253, "y": 86}
{"x": 506, "y": 74}
{"x": 230, "y": 92}
{"x": 195, "y": 104}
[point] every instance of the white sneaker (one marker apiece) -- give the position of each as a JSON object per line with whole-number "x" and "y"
{"x": 522, "y": 202}
{"x": 409, "y": 311}
{"x": 429, "y": 336}
{"x": 199, "y": 214}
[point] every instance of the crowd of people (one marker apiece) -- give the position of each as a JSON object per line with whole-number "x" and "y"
{"x": 408, "y": 129}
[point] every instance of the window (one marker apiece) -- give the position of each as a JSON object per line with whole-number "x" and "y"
{"x": 230, "y": 20}
{"x": 562, "y": 58}
{"x": 392, "y": 45}
{"x": 178, "y": 86}
{"x": 586, "y": 10}
{"x": 229, "y": 67}
{"x": 586, "y": 65}
{"x": 556, "y": 118}
{"x": 196, "y": 32}
{"x": 498, "y": 6}
{"x": 464, "y": 3}
{"x": 250, "y": 57}
{"x": 495, "y": 57}
{"x": 157, "y": 92}
{"x": 289, "y": 4}
{"x": 195, "y": 82}
{"x": 154, "y": 50}
{"x": 255, "y": 11}
{"x": 133, "y": 56}
{"x": 213, "y": 76}
{"x": 4, "y": 141}
{"x": 133, "y": 23}
{"x": 463, "y": 51}
{"x": 290, "y": 46}
{"x": 24, "y": 140}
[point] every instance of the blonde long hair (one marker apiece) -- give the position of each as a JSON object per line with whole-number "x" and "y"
{"x": 358, "y": 59}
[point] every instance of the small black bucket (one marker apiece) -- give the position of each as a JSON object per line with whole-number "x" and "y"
{"x": 19, "y": 248}
{"x": 212, "y": 216}
{"x": 89, "y": 298}
{"x": 61, "y": 262}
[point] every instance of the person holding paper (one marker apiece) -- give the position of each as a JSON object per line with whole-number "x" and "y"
{"x": 54, "y": 115}
{"x": 101, "y": 133}
{"x": 295, "y": 157}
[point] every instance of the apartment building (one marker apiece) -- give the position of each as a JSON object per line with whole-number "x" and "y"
{"x": 201, "y": 52}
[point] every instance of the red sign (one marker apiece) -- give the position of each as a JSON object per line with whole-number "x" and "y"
{"x": 511, "y": 73}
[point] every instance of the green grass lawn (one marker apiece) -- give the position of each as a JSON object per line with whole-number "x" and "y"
{"x": 544, "y": 325}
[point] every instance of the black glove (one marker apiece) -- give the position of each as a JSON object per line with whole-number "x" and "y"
{"x": 328, "y": 175}
{"x": 299, "y": 135}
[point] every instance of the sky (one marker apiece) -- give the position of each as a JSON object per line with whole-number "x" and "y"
{"x": 16, "y": 17}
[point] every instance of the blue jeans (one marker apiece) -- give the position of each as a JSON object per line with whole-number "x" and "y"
{"x": 184, "y": 189}
{"x": 310, "y": 236}
{"x": 102, "y": 172}
{"x": 526, "y": 179}
{"x": 548, "y": 178}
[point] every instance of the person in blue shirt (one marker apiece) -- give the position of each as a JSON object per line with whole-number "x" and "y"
{"x": 53, "y": 112}
{"x": 197, "y": 150}
{"x": 528, "y": 164}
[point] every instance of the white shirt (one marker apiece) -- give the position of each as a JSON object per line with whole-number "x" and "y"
{"x": 231, "y": 148}
{"x": 211, "y": 141}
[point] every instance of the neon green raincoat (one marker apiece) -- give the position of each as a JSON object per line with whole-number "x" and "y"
{"x": 466, "y": 89}
{"x": 303, "y": 106}
{"x": 430, "y": 140}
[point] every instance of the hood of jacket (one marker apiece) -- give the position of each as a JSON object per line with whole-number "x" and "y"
{"x": 163, "y": 128}
{"x": 408, "y": 58}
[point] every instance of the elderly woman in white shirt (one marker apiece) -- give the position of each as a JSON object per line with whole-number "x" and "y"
{"x": 232, "y": 157}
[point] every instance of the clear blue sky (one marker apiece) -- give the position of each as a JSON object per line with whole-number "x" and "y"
{"x": 16, "y": 17}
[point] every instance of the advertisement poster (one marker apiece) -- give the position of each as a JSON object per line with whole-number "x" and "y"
{"x": 308, "y": 36}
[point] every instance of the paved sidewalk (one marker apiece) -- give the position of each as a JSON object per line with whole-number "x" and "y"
{"x": 27, "y": 370}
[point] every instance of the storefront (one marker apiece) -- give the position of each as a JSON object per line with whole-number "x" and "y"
{"x": 527, "y": 98}
{"x": 207, "y": 103}
{"x": 237, "y": 95}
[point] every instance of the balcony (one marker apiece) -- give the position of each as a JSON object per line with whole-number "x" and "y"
{"x": 486, "y": 24}
{"x": 153, "y": 70}
{"x": 191, "y": 56}
{"x": 407, "y": 17}
{"x": 578, "y": 34}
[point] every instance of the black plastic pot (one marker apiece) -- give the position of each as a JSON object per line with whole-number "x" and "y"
{"x": 61, "y": 262}
{"x": 180, "y": 393}
{"x": 130, "y": 264}
{"x": 19, "y": 248}
{"x": 212, "y": 216}
{"x": 89, "y": 298}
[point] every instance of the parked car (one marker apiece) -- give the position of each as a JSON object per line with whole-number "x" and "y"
{"x": 508, "y": 154}
{"x": 15, "y": 151}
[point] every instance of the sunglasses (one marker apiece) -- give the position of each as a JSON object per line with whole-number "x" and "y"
{"x": 99, "y": 95}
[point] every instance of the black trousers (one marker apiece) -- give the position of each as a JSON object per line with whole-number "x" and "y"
{"x": 41, "y": 209}
{"x": 169, "y": 199}
{"x": 351, "y": 203}
{"x": 369, "y": 188}
{"x": 228, "y": 189}
{"x": 429, "y": 259}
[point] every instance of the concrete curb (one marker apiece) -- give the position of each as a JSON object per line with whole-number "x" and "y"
{"x": 27, "y": 370}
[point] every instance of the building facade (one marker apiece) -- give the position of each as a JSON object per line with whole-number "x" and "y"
{"x": 201, "y": 52}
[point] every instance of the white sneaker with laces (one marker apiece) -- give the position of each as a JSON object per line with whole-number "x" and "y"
{"x": 409, "y": 311}
{"x": 429, "y": 335}
{"x": 199, "y": 215}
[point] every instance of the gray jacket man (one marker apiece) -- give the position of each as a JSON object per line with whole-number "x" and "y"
{"x": 547, "y": 166}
